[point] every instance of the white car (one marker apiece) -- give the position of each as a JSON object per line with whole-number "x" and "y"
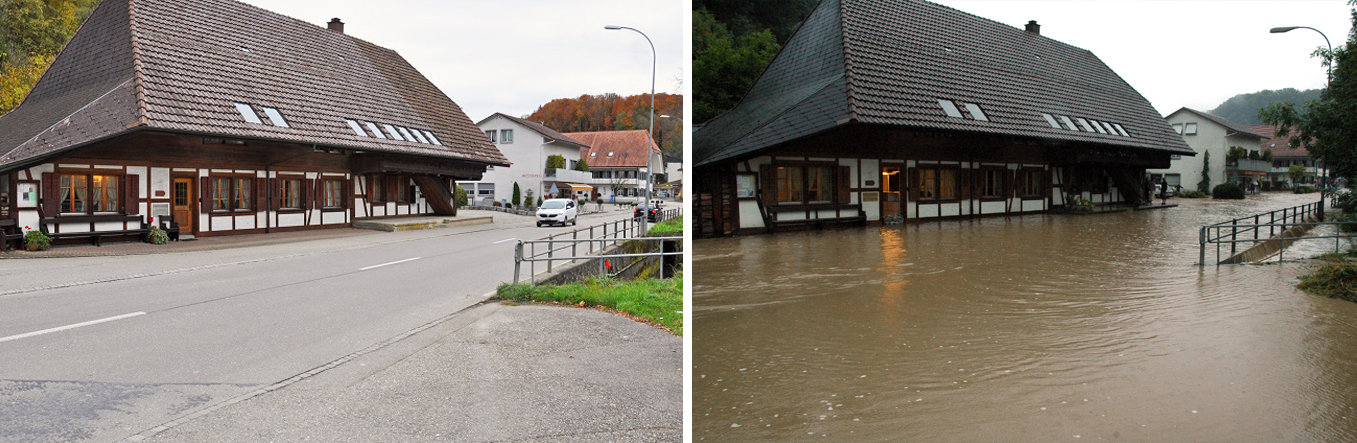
{"x": 558, "y": 210}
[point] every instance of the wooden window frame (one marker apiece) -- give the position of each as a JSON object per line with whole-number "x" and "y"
{"x": 340, "y": 186}
{"x": 282, "y": 186}
{"x": 1031, "y": 179}
{"x": 937, "y": 188}
{"x": 88, "y": 175}
{"x": 377, "y": 188}
{"x": 233, "y": 194}
{"x": 981, "y": 180}
{"x": 836, "y": 187}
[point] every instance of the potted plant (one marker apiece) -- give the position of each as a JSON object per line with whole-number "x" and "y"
{"x": 35, "y": 240}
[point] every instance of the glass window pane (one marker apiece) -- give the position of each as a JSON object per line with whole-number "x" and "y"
{"x": 391, "y": 131}
{"x": 247, "y": 112}
{"x": 357, "y": 128}
{"x": 950, "y": 108}
{"x": 372, "y": 127}
{"x": 276, "y": 118}
{"x": 947, "y": 183}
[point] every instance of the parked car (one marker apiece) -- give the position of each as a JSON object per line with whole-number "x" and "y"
{"x": 651, "y": 211}
{"x": 558, "y": 211}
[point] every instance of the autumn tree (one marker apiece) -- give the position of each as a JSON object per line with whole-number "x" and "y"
{"x": 32, "y": 32}
{"x": 612, "y": 112}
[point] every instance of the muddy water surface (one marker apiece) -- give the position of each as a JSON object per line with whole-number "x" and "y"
{"x": 1035, "y": 328}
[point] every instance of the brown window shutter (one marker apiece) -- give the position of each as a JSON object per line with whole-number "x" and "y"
{"x": 206, "y": 190}
{"x": 845, "y": 185}
{"x": 1045, "y": 184}
{"x": 277, "y": 191}
{"x": 348, "y": 194}
{"x": 392, "y": 187}
{"x": 131, "y": 194}
{"x": 769, "y": 183}
{"x": 964, "y": 181}
{"x": 371, "y": 181}
{"x": 914, "y": 186}
{"x": 261, "y": 192}
{"x": 51, "y": 194}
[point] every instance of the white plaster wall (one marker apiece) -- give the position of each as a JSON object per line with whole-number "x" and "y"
{"x": 750, "y": 217}
{"x": 219, "y": 222}
{"x": 791, "y": 216}
{"x": 1033, "y": 205}
{"x": 872, "y": 209}
{"x": 993, "y": 207}
{"x": 290, "y": 220}
{"x": 925, "y": 210}
{"x": 950, "y": 210}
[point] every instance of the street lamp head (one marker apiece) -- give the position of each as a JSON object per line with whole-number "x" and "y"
{"x": 1281, "y": 29}
{"x": 612, "y": 27}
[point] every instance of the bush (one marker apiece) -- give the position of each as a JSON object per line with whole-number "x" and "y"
{"x": 157, "y": 236}
{"x": 36, "y": 241}
{"x": 459, "y": 196}
{"x": 1345, "y": 218}
{"x": 1228, "y": 190}
{"x": 1265, "y": 186}
{"x": 1346, "y": 200}
{"x": 1192, "y": 194}
{"x": 1304, "y": 189}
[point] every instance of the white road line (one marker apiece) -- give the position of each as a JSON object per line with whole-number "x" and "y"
{"x": 505, "y": 240}
{"x": 77, "y": 325}
{"x": 397, "y": 262}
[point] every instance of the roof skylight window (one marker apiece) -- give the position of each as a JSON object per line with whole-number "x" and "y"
{"x": 1084, "y": 124}
{"x": 1051, "y": 120}
{"x": 357, "y": 128}
{"x": 432, "y": 138}
{"x": 405, "y": 132}
{"x": 276, "y": 118}
{"x": 1068, "y": 124}
{"x": 419, "y": 136}
{"x": 1097, "y": 126}
{"x": 391, "y": 130}
{"x": 373, "y": 127}
{"x": 1110, "y": 129}
{"x": 950, "y": 108}
{"x": 247, "y": 112}
{"x": 1120, "y": 130}
{"x": 976, "y": 113}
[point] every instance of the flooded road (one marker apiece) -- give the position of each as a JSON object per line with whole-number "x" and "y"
{"x": 1037, "y": 328}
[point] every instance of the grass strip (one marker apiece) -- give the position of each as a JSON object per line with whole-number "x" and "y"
{"x": 658, "y": 302}
{"x": 668, "y": 227}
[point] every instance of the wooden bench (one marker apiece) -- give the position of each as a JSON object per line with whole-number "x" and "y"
{"x": 95, "y": 237}
{"x": 10, "y": 232}
{"x": 816, "y": 223}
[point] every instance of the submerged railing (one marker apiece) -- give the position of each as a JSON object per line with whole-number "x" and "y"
{"x": 1275, "y": 223}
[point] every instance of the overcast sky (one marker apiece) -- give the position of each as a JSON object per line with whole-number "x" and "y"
{"x": 1188, "y": 53}
{"x": 512, "y": 56}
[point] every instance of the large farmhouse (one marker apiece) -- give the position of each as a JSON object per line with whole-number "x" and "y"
{"x": 881, "y": 110}
{"x": 229, "y": 119}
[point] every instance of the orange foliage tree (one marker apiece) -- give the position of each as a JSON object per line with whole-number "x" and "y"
{"x": 612, "y": 112}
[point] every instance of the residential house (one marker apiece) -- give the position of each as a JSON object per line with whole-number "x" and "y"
{"x": 528, "y": 145}
{"x": 905, "y": 110}
{"x": 230, "y": 119}
{"x": 1283, "y": 156}
{"x": 619, "y": 162}
{"x": 1205, "y": 133}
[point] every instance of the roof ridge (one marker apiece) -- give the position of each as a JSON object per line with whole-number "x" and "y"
{"x": 143, "y": 117}
{"x": 64, "y": 119}
{"x": 847, "y": 64}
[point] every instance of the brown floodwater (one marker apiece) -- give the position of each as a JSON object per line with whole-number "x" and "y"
{"x": 1035, "y": 328}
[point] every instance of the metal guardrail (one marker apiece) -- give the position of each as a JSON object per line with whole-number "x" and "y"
{"x": 1281, "y": 251}
{"x": 591, "y": 240}
{"x": 1275, "y": 223}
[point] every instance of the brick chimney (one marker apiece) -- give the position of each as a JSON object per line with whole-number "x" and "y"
{"x": 338, "y": 26}
{"x": 1032, "y": 27}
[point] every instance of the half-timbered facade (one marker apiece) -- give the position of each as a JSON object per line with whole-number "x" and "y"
{"x": 901, "y": 110}
{"x": 229, "y": 119}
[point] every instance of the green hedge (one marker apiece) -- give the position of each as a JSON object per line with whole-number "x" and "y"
{"x": 1228, "y": 190}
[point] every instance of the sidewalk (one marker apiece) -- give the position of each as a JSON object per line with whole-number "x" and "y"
{"x": 136, "y": 247}
{"x": 490, "y": 373}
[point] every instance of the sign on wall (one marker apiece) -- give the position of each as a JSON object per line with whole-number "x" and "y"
{"x": 745, "y": 185}
{"x": 869, "y": 197}
{"x": 28, "y": 195}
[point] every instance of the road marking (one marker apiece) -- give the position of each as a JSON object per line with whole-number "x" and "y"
{"x": 397, "y": 262}
{"x": 505, "y": 240}
{"x": 77, "y": 325}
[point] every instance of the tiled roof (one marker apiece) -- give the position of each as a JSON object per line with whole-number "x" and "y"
{"x": 1242, "y": 129}
{"x": 889, "y": 62}
{"x": 615, "y": 149}
{"x": 535, "y": 127}
{"x": 1280, "y": 146}
{"x": 181, "y": 65}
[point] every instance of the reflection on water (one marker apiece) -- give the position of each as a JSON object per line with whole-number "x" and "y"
{"x": 1036, "y": 328}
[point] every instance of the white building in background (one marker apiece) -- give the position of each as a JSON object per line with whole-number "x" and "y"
{"x": 527, "y": 145}
{"x": 1208, "y": 133}
{"x": 619, "y": 161}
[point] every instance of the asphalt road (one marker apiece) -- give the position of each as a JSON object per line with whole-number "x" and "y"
{"x": 99, "y": 349}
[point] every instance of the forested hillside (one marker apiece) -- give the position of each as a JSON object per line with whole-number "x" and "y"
{"x": 31, "y": 34}
{"x": 612, "y": 112}
{"x": 732, "y": 42}
{"x": 1243, "y": 108}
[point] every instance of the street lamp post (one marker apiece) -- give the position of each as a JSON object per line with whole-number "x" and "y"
{"x": 650, "y": 133}
{"x": 1324, "y": 178}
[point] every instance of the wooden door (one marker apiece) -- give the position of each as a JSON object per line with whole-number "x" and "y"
{"x": 182, "y": 200}
{"x": 892, "y": 200}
